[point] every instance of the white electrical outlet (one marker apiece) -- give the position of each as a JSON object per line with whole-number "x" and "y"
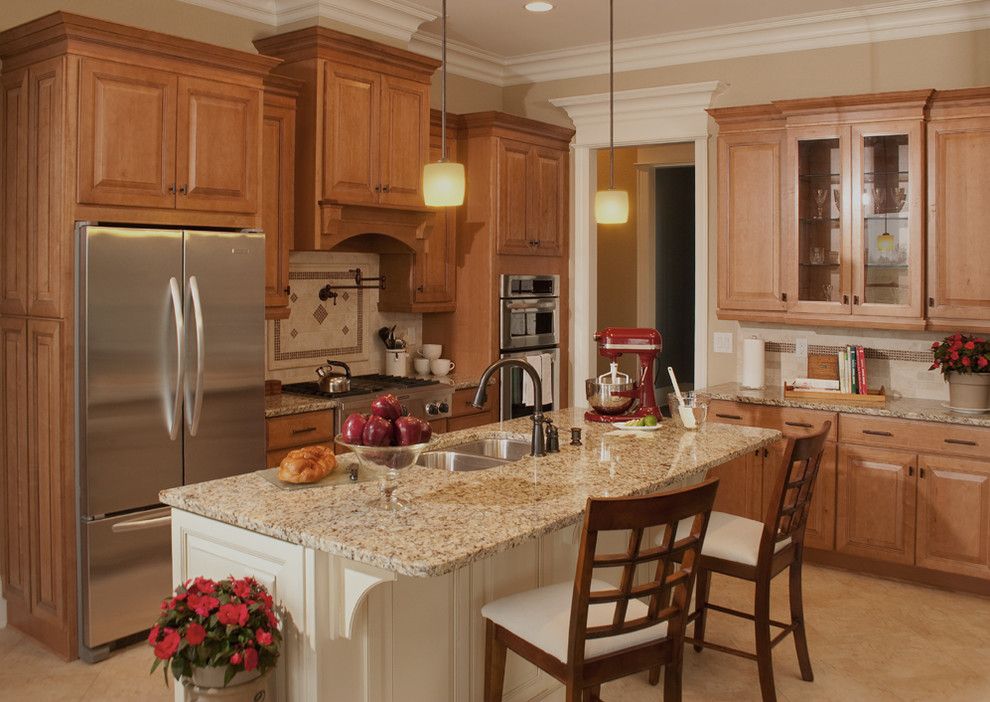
{"x": 722, "y": 342}
{"x": 801, "y": 347}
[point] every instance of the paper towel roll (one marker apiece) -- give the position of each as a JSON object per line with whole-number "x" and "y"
{"x": 753, "y": 362}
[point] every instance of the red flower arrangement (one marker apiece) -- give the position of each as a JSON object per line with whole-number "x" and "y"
{"x": 961, "y": 354}
{"x": 228, "y": 624}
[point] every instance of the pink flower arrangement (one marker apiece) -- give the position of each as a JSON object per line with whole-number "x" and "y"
{"x": 229, "y": 624}
{"x": 960, "y": 353}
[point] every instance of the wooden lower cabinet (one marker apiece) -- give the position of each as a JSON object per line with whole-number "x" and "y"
{"x": 740, "y": 486}
{"x": 820, "y": 532}
{"x": 295, "y": 431}
{"x": 875, "y": 509}
{"x": 953, "y": 527}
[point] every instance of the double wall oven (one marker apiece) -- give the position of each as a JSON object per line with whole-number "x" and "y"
{"x": 530, "y": 330}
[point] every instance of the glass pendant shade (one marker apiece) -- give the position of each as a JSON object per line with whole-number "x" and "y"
{"x": 611, "y": 207}
{"x": 443, "y": 184}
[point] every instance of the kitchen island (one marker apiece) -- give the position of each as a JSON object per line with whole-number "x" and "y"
{"x": 387, "y": 607}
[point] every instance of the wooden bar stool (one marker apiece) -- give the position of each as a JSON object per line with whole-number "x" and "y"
{"x": 755, "y": 551}
{"x": 588, "y": 632}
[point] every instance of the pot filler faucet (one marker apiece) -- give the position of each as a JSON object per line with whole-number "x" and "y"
{"x": 537, "y": 446}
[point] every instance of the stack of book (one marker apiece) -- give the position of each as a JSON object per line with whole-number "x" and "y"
{"x": 839, "y": 375}
{"x": 852, "y": 371}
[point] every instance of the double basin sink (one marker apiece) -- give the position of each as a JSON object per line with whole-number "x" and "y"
{"x": 476, "y": 455}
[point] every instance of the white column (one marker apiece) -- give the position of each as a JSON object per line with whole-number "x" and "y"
{"x": 701, "y": 277}
{"x": 584, "y": 273}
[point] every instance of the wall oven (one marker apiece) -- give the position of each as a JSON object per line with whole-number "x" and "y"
{"x": 530, "y": 330}
{"x": 530, "y": 311}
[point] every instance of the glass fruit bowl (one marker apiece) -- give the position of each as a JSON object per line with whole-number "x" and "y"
{"x": 387, "y": 460}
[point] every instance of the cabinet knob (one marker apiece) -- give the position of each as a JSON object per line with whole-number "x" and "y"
{"x": 287, "y": 290}
{"x": 386, "y": 188}
{"x": 184, "y": 189}
{"x": 931, "y": 302}
{"x": 420, "y": 288}
{"x": 855, "y": 299}
{"x": 845, "y": 299}
{"x": 378, "y": 188}
{"x": 171, "y": 189}
{"x": 783, "y": 297}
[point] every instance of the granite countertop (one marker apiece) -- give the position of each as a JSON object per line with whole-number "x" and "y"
{"x": 899, "y": 407}
{"x": 458, "y": 518}
{"x": 288, "y": 403}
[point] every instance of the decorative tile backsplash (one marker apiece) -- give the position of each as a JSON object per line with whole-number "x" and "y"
{"x": 897, "y": 360}
{"x": 346, "y": 331}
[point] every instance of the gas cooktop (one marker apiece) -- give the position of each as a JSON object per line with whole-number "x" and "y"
{"x": 362, "y": 385}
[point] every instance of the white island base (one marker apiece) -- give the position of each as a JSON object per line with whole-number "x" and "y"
{"x": 359, "y": 633}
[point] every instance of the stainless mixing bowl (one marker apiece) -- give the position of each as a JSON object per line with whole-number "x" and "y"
{"x": 601, "y": 398}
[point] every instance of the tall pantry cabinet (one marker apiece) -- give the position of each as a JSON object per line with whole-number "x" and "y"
{"x": 100, "y": 122}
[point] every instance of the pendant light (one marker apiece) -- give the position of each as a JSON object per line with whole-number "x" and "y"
{"x": 611, "y": 206}
{"x": 443, "y": 181}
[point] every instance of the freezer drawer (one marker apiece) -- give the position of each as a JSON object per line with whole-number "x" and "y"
{"x": 127, "y": 572}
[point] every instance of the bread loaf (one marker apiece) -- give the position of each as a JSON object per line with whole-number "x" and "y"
{"x": 307, "y": 464}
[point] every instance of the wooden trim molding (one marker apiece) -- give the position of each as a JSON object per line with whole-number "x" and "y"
{"x": 340, "y": 221}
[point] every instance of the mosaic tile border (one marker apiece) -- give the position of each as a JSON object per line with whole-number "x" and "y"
{"x": 881, "y": 354}
{"x": 358, "y": 347}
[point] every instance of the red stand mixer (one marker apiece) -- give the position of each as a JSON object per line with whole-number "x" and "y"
{"x": 615, "y": 397}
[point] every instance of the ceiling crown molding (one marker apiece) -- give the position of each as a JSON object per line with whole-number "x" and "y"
{"x": 675, "y": 111}
{"x": 391, "y": 18}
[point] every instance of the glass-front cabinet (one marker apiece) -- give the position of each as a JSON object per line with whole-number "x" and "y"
{"x": 854, "y": 240}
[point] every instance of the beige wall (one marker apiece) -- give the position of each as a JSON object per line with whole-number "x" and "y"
{"x": 467, "y": 95}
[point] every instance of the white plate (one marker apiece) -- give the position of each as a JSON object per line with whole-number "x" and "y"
{"x": 965, "y": 410}
{"x": 625, "y": 425}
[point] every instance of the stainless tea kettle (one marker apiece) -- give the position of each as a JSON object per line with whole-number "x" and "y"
{"x": 330, "y": 381}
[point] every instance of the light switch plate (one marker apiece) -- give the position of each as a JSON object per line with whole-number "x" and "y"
{"x": 722, "y": 342}
{"x": 801, "y": 347}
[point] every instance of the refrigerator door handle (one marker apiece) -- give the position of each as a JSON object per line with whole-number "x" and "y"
{"x": 180, "y": 365}
{"x": 141, "y": 524}
{"x": 200, "y": 355}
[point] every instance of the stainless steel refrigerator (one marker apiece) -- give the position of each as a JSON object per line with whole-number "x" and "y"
{"x": 171, "y": 369}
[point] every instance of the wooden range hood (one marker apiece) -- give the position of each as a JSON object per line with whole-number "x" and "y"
{"x": 362, "y": 139}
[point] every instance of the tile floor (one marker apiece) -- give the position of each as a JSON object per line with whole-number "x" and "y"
{"x": 871, "y": 640}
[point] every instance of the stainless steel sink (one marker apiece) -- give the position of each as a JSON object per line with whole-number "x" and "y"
{"x": 457, "y": 462}
{"x": 503, "y": 449}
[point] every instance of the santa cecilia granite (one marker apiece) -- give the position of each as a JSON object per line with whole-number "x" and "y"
{"x": 898, "y": 407}
{"x": 460, "y": 518}
{"x": 289, "y": 403}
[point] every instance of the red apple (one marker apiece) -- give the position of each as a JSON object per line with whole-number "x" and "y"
{"x": 407, "y": 431}
{"x": 427, "y": 431}
{"x": 377, "y": 432}
{"x": 387, "y": 406}
{"x": 353, "y": 428}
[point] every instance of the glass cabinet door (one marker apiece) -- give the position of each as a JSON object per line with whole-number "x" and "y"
{"x": 887, "y": 219}
{"x": 819, "y": 256}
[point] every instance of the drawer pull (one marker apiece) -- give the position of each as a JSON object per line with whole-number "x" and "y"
{"x": 961, "y": 442}
{"x": 910, "y": 471}
{"x": 728, "y": 416}
{"x": 304, "y": 430}
{"x": 874, "y": 432}
{"x": 803, "y": 425}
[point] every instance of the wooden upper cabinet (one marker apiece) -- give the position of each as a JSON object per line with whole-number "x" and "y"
{"x": 954, "y": 515}
{"x": 514, "y": 236}
{"x": 352, "y": 133}
{"x": 749, "y": 221}
{"x": 875, "y": 505}
{"x": 277, "y": 179}
{"x": 218, "y": 153}
{"x": 405, "y": 140}
{"x": 959, "y": 210}
{"x": 435, "y": 269}
{"x": 127, "y": 120}
{"x": 14, "y": 189}
{"x": 548, "y": 199}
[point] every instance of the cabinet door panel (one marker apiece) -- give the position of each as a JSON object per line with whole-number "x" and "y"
{"x": 547, "y": 205}
{"x": 740, "y": 486}
{"x": 958, "y": 183}
{"x": 405, "y": 140}
{"x": 954, "y": 515}
{"x": 749, "y": 230}
{"x": 15, "y": 567}
{"x": 218, "y": 154}
{"x": 278, "y": 148}
{"x": 876, "y": 503}
{"x": 51, "y": 513}
{"x": 14, "y": 165}
{"x": 820, "y": 531}
{"x": 436, "y": 265}
{"x": 351, "y": 134}
{"x": 126, "y": 135}
{"x": 513, "y": 173}
{"x": 48, "y": 231}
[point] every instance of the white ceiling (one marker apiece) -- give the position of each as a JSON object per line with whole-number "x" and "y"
{"x": 500, "y": 42}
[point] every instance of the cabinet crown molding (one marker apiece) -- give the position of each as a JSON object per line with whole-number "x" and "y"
{"x": 62, "y": 32}
{"x": 495, "y": 123}
{"x": 324, "y": 43}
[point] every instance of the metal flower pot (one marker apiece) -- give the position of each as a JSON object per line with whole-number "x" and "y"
{"x": 206, "y": 685}
{"x": 969, "y": 392}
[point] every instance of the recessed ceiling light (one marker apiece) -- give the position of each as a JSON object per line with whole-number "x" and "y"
{"x": 539, "y": 6}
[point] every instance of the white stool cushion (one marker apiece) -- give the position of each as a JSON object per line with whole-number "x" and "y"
{"x": 543, "y": 618}
{"x": 730, "y": 538}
